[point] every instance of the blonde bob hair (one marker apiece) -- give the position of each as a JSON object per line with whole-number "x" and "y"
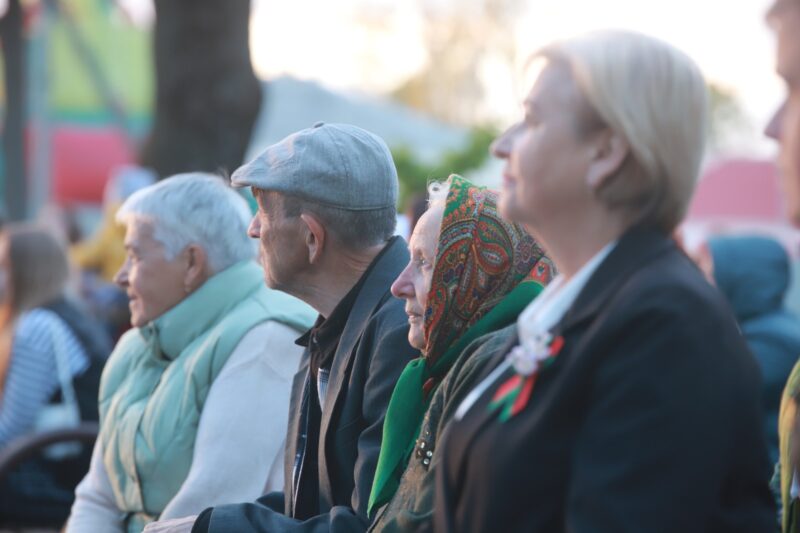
{"x": 655, "y": 97}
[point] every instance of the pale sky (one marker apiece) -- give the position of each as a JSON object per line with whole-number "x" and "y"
{"x": 373, "y": 45}
{"x": 328, "y": 42}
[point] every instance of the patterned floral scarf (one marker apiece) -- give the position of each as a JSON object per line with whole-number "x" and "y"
{"x": 486, "y": 271}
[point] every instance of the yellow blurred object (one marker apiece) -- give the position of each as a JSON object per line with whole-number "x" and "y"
{"x": 105, "y": 250}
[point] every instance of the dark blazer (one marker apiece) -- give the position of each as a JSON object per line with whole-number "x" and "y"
{"x": 648, "y": 420}
{"x": 372, "y": 352}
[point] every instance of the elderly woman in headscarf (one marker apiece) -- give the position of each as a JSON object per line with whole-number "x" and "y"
{"x": 194, "y": 399}
{"x": 628, "y": 400}
{"x": 471, "y": 273}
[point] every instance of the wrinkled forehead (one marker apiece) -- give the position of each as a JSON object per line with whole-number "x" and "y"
{"x": 140, "y": 232}
{"x": 269, "y": 202}
{"x": 262, "y": 196}
{"x": 426, "y": 232}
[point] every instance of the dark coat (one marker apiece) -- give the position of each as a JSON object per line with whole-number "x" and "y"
{"x": 754, "y": 274}
{"x": 372, "y": 352}
{"x": 649, "y": 419}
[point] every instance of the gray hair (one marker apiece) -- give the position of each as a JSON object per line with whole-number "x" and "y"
{"x": 437, "y": 192}
{"x": 354, "y": 230}
{"x": 194, "y": 208}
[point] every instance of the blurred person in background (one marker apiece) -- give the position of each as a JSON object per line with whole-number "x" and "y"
{"x": 104, "y": 251}
{"x": 784, "y": 19}
{"x": 754, "y": 274}
{"x": 470, "y": 275}
{"x": 45, "y": 338}
{"x": 194, "y": 399}
{"x": 629, "y": 400}
{"x": 416, "y": 206}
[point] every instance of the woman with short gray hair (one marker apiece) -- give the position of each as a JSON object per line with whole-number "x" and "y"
{"x": 212, "y": 351}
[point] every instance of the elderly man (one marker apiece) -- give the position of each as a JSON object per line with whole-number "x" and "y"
{"x": 784, "y": 18}
{"x": 326, "y": 217}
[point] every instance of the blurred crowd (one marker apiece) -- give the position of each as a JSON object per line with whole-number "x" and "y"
{"x": 546, "y": 357}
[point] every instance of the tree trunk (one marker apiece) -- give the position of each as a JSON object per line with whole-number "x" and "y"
{"x": 15, "y": 190}
{"x": 207, "y": 96}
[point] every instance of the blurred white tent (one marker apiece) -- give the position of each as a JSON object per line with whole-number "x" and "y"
{"x": 291, "y": 104}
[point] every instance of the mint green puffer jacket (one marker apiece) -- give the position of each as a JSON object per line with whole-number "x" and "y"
{"x": 157, "y": 379}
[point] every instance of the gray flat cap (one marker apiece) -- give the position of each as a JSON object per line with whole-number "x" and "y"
{"x": 339, "y": 165}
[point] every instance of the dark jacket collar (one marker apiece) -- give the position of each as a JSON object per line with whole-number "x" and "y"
{"x": 636, "y": 247}
{"x": 329, "y": 329}
{"x": 323, "y": 338}
{"x": 376, "y": 290}
{"x": 377, "y": 282}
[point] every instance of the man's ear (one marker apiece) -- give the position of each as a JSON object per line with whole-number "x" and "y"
{"x": 315, "y": 235}
{"x": 610, "y": 152}
{"x": 196, "y": 267}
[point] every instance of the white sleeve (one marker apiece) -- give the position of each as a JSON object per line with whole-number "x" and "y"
{"x": 241, "y": 434}
{"x": 94, "y": 508}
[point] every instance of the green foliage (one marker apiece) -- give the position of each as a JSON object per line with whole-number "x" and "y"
{"x": 415, "y": 175}
{"x": 726, "y": 114}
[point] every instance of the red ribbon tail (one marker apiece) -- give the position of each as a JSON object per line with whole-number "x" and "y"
{"x": 524, "y": 395}
{"x": 507, "y": 387}
{"x": 558, "y": 343}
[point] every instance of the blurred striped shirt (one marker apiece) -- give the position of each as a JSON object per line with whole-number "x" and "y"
{"x": 32, "y": 377}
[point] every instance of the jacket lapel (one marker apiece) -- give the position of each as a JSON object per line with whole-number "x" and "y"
{"x": 375, "y": 290}
{"x": 635, "y": 248}
{"x": 298, "y": 414}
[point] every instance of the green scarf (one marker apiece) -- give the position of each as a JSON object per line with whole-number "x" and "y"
{"x": 486, "y": 272}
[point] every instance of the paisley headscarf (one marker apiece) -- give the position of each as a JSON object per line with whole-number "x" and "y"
{"x": 487, "y": 270}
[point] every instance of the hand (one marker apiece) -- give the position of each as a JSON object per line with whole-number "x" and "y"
{"x": 177, "y": 525}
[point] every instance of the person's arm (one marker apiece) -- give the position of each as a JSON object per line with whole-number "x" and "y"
{"x": 389, "y": 354}
{"x": 94, "y": 508}
{"x": 241, "y": 432}
{"x": 659, "y": 426}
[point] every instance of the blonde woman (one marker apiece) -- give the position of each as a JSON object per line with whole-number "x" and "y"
{"x": 628, "y": 400}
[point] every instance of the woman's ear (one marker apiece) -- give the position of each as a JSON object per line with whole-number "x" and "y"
{"x": 197, "y": 268}
{"x": 610, "y": 152}
{"x": 315, "y": 236}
